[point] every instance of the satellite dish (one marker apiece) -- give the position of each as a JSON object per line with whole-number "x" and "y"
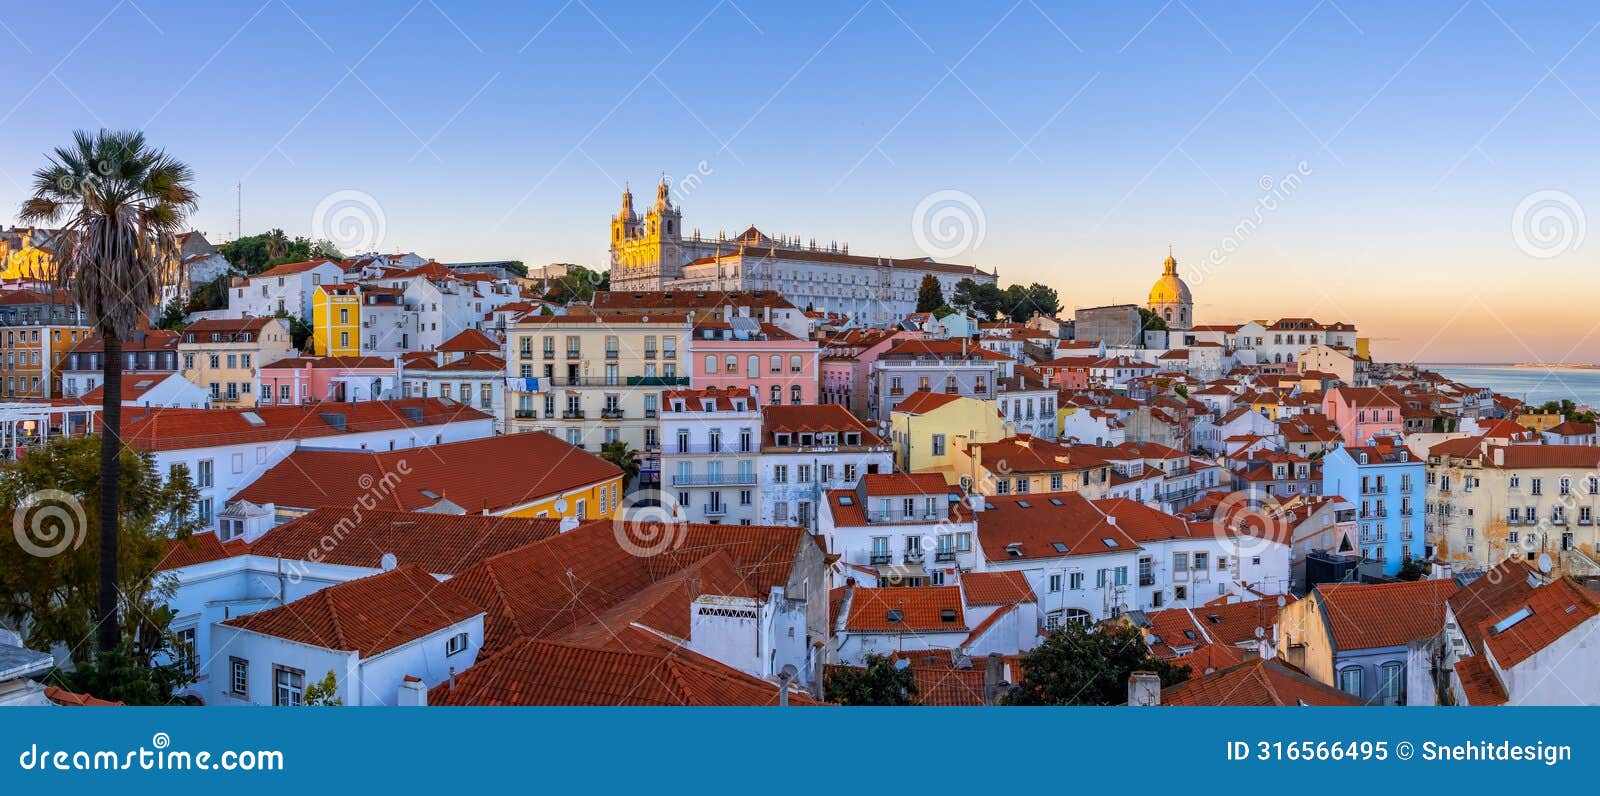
{"x": 388, "y": 562}
{"x": 1261, "y": 632}
{"x": 1545, "y": 563}
{"x": 902, "y": 664}
{"x": 788, "y": 672}
{"x": 1281, "y": 601}
{"x": 561, "y": 506}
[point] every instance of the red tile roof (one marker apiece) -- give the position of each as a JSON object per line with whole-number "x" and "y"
{"x": 1495, "y": 593}
{"x": 442, "y": 544}
{"x": 287, "y": 269}
{"x": 1254, "y": 682}
{"x": 549, "y": 587}
{"x": 469, "y": 340}
{"x": 1231, "y": 625}
{"x": 535, "y": 672}
{"x": 1555, "y": 609}
{"x": 1038, "y": 526}
{"x": 65, "y": 698}
{"x": 1479, "y": 682}
{"x": 199, "y": 548}
{"x": 368, "y": 616}
{"x": 156, "y": 429}
{"x": 134, "y": 386}
{"x": 923, "y": 609}
{"x": 470, "y": 473}
{"x": 924, "y": 401}
{"x": 812, "y": 418}
{"x": 1368, "y": 616}
{"x": 997, "y": 588}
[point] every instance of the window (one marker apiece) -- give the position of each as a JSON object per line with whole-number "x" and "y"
{"x": 1350, "y": 680}
{"x": 288, "y": 685}
{"x": 1055, "y": 582}
{"x": 184, "y": 651}
{"x": 455, "y": 644}
{"x": 238, "y": 677}
{"x": 203, "y": 476}
{"x": 1393, "y": 682}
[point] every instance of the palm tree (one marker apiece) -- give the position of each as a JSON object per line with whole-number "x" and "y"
{"x": 277, "y": 244}
{"x": 120, "y": 204}
{"x": 618, "y": 453}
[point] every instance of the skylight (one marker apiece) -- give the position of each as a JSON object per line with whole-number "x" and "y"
{"x": 1060, "y": 548}
{"x": 1110, "y": 542}
{"x": 429, "y": 494}
{"x": 1507, "y": 623}
{"x": 847, "y": 500}
{"x": 252, "y": 418}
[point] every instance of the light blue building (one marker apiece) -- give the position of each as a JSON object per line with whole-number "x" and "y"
{"x": 1385, "y": 481}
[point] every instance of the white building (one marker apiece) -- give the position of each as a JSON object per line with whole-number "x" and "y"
{"x": 282, "y": 288}
{"x": 226, "y": 449}
{"x": 910, "y": 529}
{"x": 710, "y": 452}
{"x": 374, "y": 635}
{"x": 807, "y": 450}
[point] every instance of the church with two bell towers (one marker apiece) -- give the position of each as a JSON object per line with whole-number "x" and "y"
{"x": 653, "y": 252}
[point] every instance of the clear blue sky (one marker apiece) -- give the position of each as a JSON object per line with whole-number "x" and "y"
{"x": 1092, "y": 136}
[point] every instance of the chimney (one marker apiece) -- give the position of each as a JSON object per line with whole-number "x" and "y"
{"x": 1499, "y": 456}
{"x": 975, "y": 501}
{"x": 1144, "y": 689}
{"x": 452, "y": 678}
{"x": 568, "y": 523}
{"x": 413, "y": 694}
{"x": 994, "y": 679}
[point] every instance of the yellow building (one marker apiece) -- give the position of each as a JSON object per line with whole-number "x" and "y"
{"x": 32, "y": 357}
{"x": 1265, "y": 403}
{"x": 925, "y": 425}
{"x": 224, "y": 355}
{"x": 23, "y": 256}
{"x": 336, "y": 321}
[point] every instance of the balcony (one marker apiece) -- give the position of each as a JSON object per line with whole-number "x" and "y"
{"x": 715, "y": 509}
{"x": 914, "y": 557}
{"x": 610, "y": 414}
{"x": 572, "y": 414}
{"x": 880, "y": 559}
{"x": 650, "y": 414}
{"x": 574, "y": 354}
{"x": 704, "y": 447}
{"x": 944, "y": 556}
{"x": 526, "y": 414}
{"x": 715, "y": 479}
{"x": 891, "y": 517}
{"x": 1147, "y": 580}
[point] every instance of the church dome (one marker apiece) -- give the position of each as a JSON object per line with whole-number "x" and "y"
{"x": 1170, "y": 288}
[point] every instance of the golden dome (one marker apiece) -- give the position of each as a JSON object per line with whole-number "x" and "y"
{"x": 1170, "y": 288}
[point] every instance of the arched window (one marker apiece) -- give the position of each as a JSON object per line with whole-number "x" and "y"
{"x": 794, "y": 394}
{"x": 1350, "y": 680}
{"x": 1392, "y": 688}
{"x": 1078, "y": 616}
{"x": 777, "y": 395}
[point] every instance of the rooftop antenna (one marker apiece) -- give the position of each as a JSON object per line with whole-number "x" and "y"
{"x": 238, "y": 209}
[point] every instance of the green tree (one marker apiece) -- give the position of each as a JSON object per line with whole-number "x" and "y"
{"x": 49, "y": 583}
{"x": 1083, "y": 665}
{"x": 618, "y": 453}
{"x": 1014, "y": 303}
{"x": 1150, "y": 322}
{"x": 299, "y": 331}
{"x": 323, "y": 692}
{"x": 171, "y": 316}
{"x": 965, "y": 295}
{"x": 120, "y": 204}
{"x": 579, "y": 284}
{"x": 124, "y": 675}
{"x": 517, "y": 267}
{"x": 1412, "y": 569}
{"x": 944, "y": 311}
{"x": 880, "y": 682}
{"x": 1043, "y": 299}
{"x": 276, "y": 243}
{"x": 929, "y": 296}
{"x": 988, "y": 301}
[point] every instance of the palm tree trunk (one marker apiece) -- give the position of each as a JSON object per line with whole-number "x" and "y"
{"x": 109, "y": 631}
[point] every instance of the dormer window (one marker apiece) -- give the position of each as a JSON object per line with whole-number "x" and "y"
{"x": 782, "y": 440}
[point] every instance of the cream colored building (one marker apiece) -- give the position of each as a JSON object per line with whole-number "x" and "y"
{"x": 1487, "y": 502}
{"x": 925, "y": 429}
{"x": 591, "y": 378}
{"x": 225, "y": 356}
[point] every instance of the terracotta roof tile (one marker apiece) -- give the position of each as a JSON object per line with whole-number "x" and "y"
{"x": 1368, "y": 616}
{"x": 157, "y": 429}
{"x": 997, "y": 588}
{"x": 1479, "y": 682}
{"x": 442, "y": 544}
{"x": 1254, "y": 682}
{"x": 469, "y": 474}
{"x": 1553, "y": 610}
{"x": 368, "y": 615}
{"x": 921, "y": 609}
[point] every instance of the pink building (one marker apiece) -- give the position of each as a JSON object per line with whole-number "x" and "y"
{"x": 1362, "y": 413}
{"x": 304, "y": 380}
{"x": 847, "y": 360}
{"x": 758, "y": 358}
